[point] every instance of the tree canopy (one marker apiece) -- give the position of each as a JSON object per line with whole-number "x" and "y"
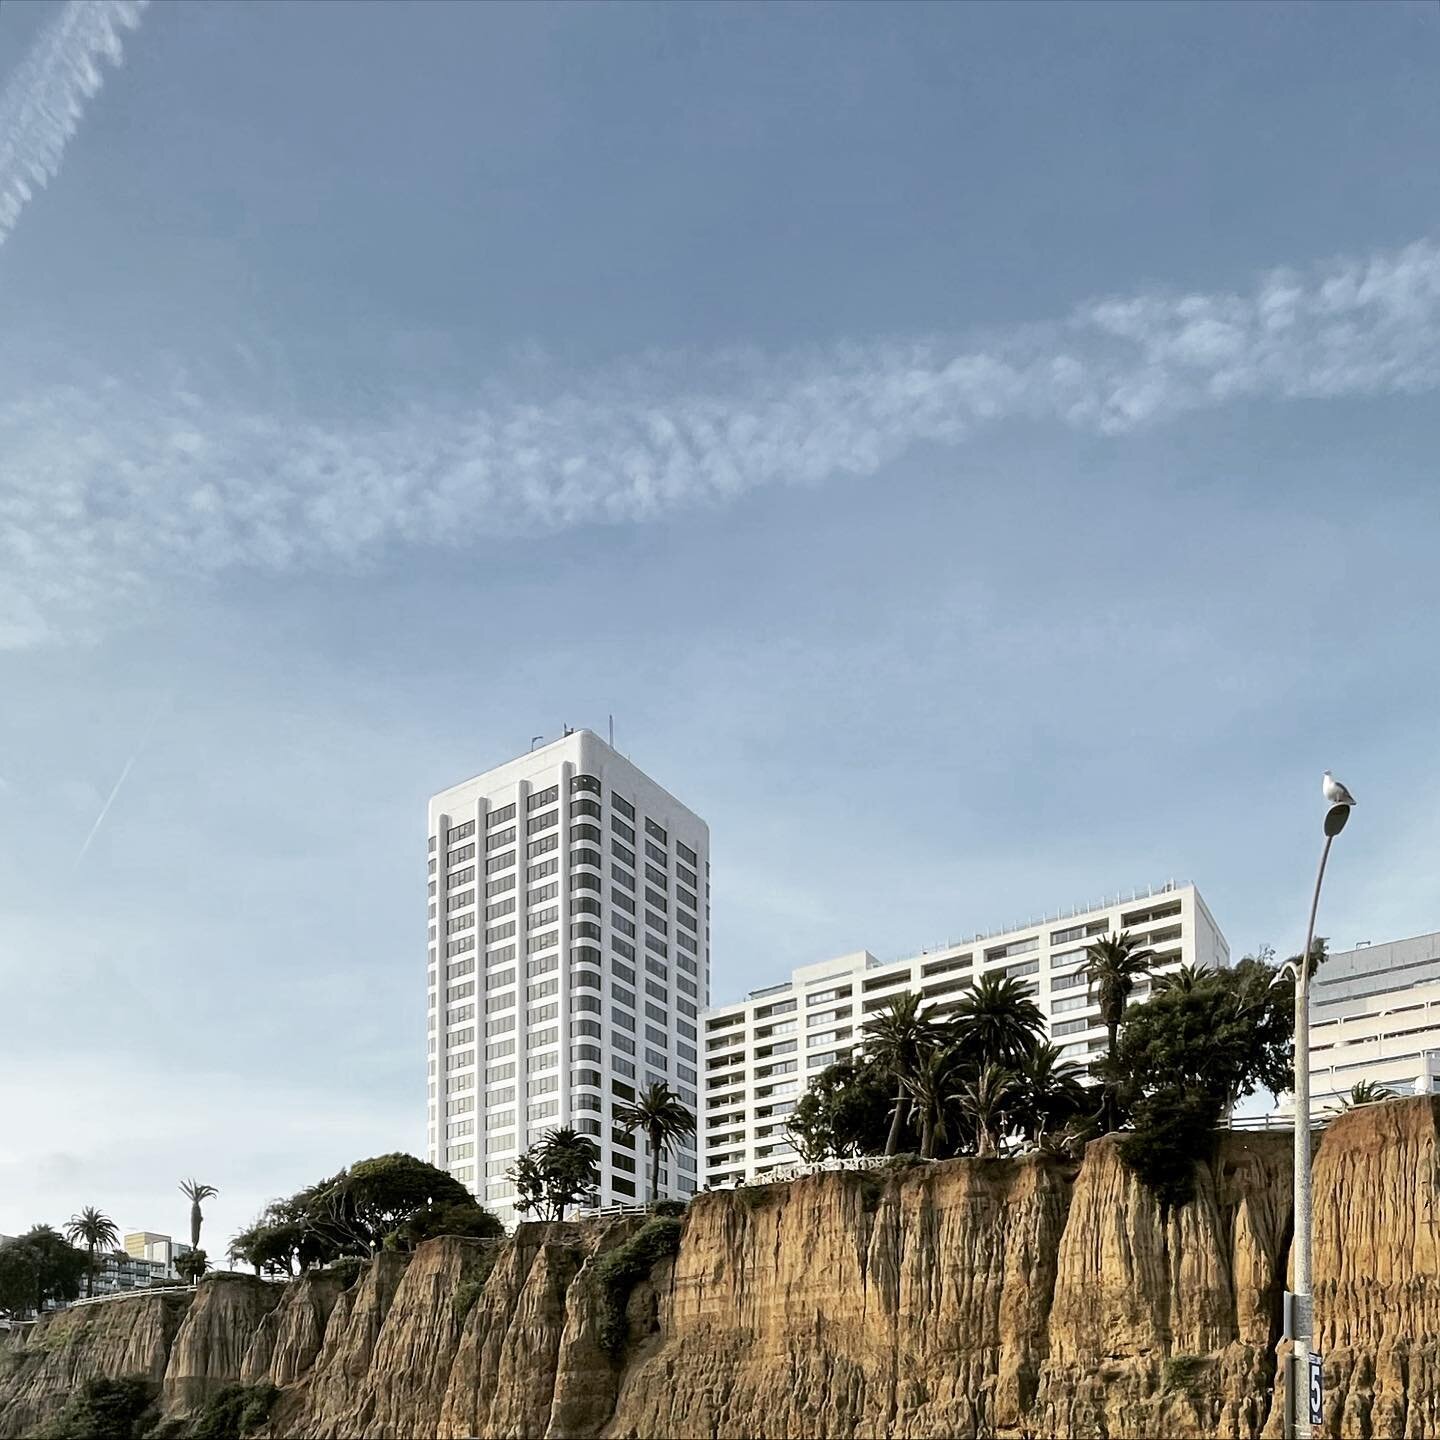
{"x": 353, "y": 1212}
{"x": 561, "y": 1171}
{"x": 38, "y": 1267}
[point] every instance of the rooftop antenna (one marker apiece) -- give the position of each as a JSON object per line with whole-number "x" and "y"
{"x": 535, "y": 740}
{"x": 612, "y": 732}
{"x": 568, "y": 729}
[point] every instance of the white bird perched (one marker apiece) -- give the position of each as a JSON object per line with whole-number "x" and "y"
{"x": 1334, "y": 792}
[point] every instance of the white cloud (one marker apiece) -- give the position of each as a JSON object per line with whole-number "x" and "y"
{"x": 110, "y": 490}
{"x": 43, "y": 102}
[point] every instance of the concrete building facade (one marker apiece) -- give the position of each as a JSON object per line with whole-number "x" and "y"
{"x": 761, "y": 1053}
{"x": 568, "y": 963}
{"x": 1375, "y": 1015}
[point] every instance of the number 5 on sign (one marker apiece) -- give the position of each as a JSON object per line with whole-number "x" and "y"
{"x": 1317, "y": 1390}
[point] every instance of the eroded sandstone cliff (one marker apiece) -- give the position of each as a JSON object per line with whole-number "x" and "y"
{"x": 968, "y": 1298}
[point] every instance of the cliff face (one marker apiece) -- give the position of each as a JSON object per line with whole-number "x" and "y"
{"x": 970, "y": 1298}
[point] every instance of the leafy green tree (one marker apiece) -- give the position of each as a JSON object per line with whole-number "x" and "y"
{"x": 1362, "y": 1092}
{"x": 846, "y": 1111}
{"x": 658, "y": 1111}
{"x": 192, "y": 1265}
{"x": 195, "y": 1192}
{"x": 38, "y": 1267}
{"x": 895, "y": 1039}
{"x": 997, "y": 1021}
{"x": 93, "y": 1229}
{"x": 1186, "y": 1057}
{"x": 472, "y": 1221}
{"x": 560, "y": 1171}
{"x": 571, "y": 1162}
{"x": 1112, "y": 965}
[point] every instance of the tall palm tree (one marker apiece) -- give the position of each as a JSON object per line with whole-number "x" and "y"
{"x": 658, "y": 1112}
{"x": 931, "y": 1087}
{"x": 997, "y": 1020}
{"x": 93, "y": 1229}
{"x": 896, "y": 1039}
{"x": 1112, "y": 963}
{"x": 984, "y": 1102}
{"x": 195, "y": 1192}
{"x": 1051, "y": 1092}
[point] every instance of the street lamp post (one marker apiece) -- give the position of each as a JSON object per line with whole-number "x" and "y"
{"x": 1300, "y": 1305}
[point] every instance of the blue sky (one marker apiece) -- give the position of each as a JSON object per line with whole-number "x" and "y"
{"x": 983, "y": 456}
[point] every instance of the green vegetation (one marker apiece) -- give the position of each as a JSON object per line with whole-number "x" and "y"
{"x": 103, "y": 1409}
{"x": 351, "y": 1214}
{"x": 36, "y": 1267}
{"x": 968, "y": 1078}
{"x": 237, "y": 1410}
{"x": 958, "y": 1084}
{"x": 658, "y": 1112}
{"x": 561, "y": 1171}
{"x": 845, "y": 1111}
{"x": 95, "y": 1230}
{"x": 1184, "y": 1373}
{"x": 618, "y": 1271}
{"x": 468, "y": 1291}
{"x": 192, "y": 1265}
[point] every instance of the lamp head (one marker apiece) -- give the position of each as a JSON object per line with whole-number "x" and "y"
{"x": 1335, "y": 818}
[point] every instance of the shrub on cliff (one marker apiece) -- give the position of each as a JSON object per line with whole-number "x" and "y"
{"x": 236, "y": 1410}
{"x": 105, "y": 1409}
{"x": 620, "y": 1270}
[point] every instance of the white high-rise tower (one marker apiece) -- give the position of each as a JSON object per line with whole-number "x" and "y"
{"x": 569, "y": 959}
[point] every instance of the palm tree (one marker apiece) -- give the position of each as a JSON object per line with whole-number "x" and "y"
{"x": 568, "y": 1160}
{"x": 997, "y": 1020}
{"x": 1113, "y": 963}
{"x": 1051, "y": 1093}
{"x": 984, "y": 1101}
{"x": 658, "y": 1112}
{"x": 195, "y": 1192}
{"x": 931, "y": 1086}
{"x": 1184, "y": 978}
{"x": 896, "y": 1039}
{"x": 93, "y": 1229}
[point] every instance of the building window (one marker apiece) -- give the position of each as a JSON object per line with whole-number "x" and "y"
{"x": 460, "y": 856}
{"x": 586, "y": 807}
{"x": 543, "y": 797}
{"x": 622, "y": 829}
{"x": 622, "y": 805}
{"x": 499, "y": 838}
{"x": 497, "y": 863}
{"x": 457, "y": 832}
{"x": 659, "y": 832}
{"x": 586, "y": 783}
{"x": 537, "y": 823}
{"x": 500, "y": 816}
{"x": 654, "y": 852}
{"x": 542, "y": 846}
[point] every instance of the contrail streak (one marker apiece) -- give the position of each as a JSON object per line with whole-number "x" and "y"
{"x": 43, "y": 102}
{"x": 129, "y": 764}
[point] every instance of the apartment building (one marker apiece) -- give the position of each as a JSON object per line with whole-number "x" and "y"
{"x": 761, "y": 1052}
{"x": 568, "y": 963}
{"x": 1375, "y": 1015}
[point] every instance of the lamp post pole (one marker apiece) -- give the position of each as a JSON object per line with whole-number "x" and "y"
{"x": 1300, "y": 1311}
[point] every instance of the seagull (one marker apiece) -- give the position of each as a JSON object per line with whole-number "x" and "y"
{"x": 1334, "y": 792}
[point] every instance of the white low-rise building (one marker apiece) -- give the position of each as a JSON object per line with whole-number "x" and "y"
{"x": 1375, "y": 1015}
{"x": 761, "y": 1053}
